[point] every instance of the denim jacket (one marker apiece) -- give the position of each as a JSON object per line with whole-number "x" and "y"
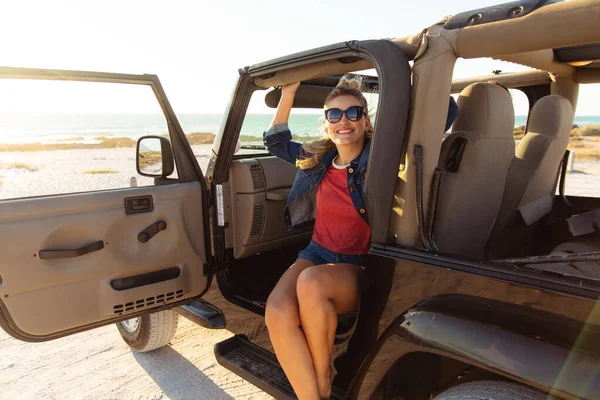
{"x": 301, "y": 204}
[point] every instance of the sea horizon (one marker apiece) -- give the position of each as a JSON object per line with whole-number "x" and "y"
{"x": 32, "y": 127}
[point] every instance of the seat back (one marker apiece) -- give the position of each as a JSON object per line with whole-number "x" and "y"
{"x": 533, "y": 174}
{"x": 474, "y": 158}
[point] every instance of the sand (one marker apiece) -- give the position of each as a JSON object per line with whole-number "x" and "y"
{"x": 36, "y": 173}
{"x": 99, "y": 365}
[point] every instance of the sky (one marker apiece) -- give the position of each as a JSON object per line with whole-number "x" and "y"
{"x": 196, "y": 47}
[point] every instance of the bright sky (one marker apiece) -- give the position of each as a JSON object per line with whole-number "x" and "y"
{"x": 196, "y": 47}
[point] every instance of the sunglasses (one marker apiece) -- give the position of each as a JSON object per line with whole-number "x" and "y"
{"x": 354, "y": 113}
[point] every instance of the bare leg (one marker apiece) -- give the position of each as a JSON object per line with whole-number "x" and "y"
{"x": 323, "y": 292}
{"x": 283, "y": 321}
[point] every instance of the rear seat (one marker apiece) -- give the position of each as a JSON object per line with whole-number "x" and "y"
{"x": 532, "y": 177}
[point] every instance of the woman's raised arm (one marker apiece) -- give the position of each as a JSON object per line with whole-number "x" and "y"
{"x": 278, "y": 139}
{"x": 282, "y": 115}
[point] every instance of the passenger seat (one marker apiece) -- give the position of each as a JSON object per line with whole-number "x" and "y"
{"x": 474, "y": 159}
{"x": 532, "y": 177}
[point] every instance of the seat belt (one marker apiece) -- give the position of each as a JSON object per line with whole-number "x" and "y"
{"x": 562, "y": 178}
{"x": 433, "y": 198}
{"x": 418, "y": 153}
{"x": 425, "y": 222}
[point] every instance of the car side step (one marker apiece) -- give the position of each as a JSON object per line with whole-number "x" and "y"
{"x": 258, "y": 366}
{"x": 203, "y": 314}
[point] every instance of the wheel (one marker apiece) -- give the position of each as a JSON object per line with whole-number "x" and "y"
{"x": 491, "y": 390}
{"x": 149, "y": 332}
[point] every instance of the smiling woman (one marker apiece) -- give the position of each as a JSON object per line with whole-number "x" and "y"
{"x": 301, "y": 311}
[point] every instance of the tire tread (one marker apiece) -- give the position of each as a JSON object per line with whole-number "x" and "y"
{"x": 163, "y": 325}
{"x": 155, "y": 331}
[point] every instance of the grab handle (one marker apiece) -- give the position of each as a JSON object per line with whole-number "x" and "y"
{"x": 88, "y": 248}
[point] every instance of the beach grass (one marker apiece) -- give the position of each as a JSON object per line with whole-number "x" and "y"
{"x": 200, "y": 138}
{"x": 104, "y": 142}
{"x": 586, "y": 154}
{"x": 101, "y": 171}
{"x": 519, "y": 132}
{"x": 588, "y": 130}
{"x": 149, "y": 158}
{"x": 20, "y": 165}
{"x": 579, "y": 142}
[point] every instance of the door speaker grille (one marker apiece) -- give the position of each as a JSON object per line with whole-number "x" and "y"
{"x": 258, "y": 178}
{"x": 150, "y": 301}
{"x": 258, "y": 215}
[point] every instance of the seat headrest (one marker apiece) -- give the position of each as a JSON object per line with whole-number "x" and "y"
{"x": 551, "y": 116}
{"x": 486, "y": 109}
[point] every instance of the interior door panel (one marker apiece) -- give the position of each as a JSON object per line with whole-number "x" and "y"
{"x": 258, "y": 193}
{"x": 43, "y": 298}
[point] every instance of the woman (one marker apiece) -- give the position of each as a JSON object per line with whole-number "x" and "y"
{"x": 302, "y": 309}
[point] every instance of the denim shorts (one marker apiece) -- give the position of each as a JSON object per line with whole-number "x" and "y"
{"x": 320, "y": 255}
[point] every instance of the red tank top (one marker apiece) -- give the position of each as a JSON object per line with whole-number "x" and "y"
{"x": 338, "y": 227}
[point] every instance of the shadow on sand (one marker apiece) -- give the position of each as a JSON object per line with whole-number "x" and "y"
{"x": 177, "y": 377}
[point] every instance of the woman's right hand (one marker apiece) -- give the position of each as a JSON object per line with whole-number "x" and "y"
{"x": 285, "y": 104}
{"x": 289, "y": 90}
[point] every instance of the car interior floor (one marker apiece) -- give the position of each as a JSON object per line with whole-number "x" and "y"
{"x": 253, "y": 278}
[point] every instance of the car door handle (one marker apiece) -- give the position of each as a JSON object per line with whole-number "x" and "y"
{"x": 88, "y": 248}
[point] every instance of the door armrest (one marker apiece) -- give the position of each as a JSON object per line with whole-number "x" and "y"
{"x": 278, "y": 194}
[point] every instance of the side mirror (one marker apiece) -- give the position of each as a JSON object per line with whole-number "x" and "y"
{"x": 154, "y": 157}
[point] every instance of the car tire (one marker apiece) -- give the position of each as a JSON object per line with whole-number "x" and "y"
{"x": 491, "y": 390}
{"x": 149, "y": 332}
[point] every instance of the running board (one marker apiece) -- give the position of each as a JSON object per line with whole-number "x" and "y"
{"x": 259, "y": 367}
{"x": 203, "y": 314}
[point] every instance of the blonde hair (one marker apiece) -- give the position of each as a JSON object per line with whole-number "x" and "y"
{"x": 347, "y": 86}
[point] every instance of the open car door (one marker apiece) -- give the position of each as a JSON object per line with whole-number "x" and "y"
{"x": 74, "y": 261}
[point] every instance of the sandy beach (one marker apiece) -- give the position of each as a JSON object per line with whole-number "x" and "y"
{"x": 99, "y": 365}
{"x": 34, "y": 173}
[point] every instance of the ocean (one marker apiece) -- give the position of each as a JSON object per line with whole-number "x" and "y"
{"x": 91, "y": 128}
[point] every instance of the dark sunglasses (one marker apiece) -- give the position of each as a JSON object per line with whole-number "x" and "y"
{"x": 354, "y": 113}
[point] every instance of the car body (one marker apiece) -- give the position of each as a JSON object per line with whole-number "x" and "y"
{"x": 432, "y": 317}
